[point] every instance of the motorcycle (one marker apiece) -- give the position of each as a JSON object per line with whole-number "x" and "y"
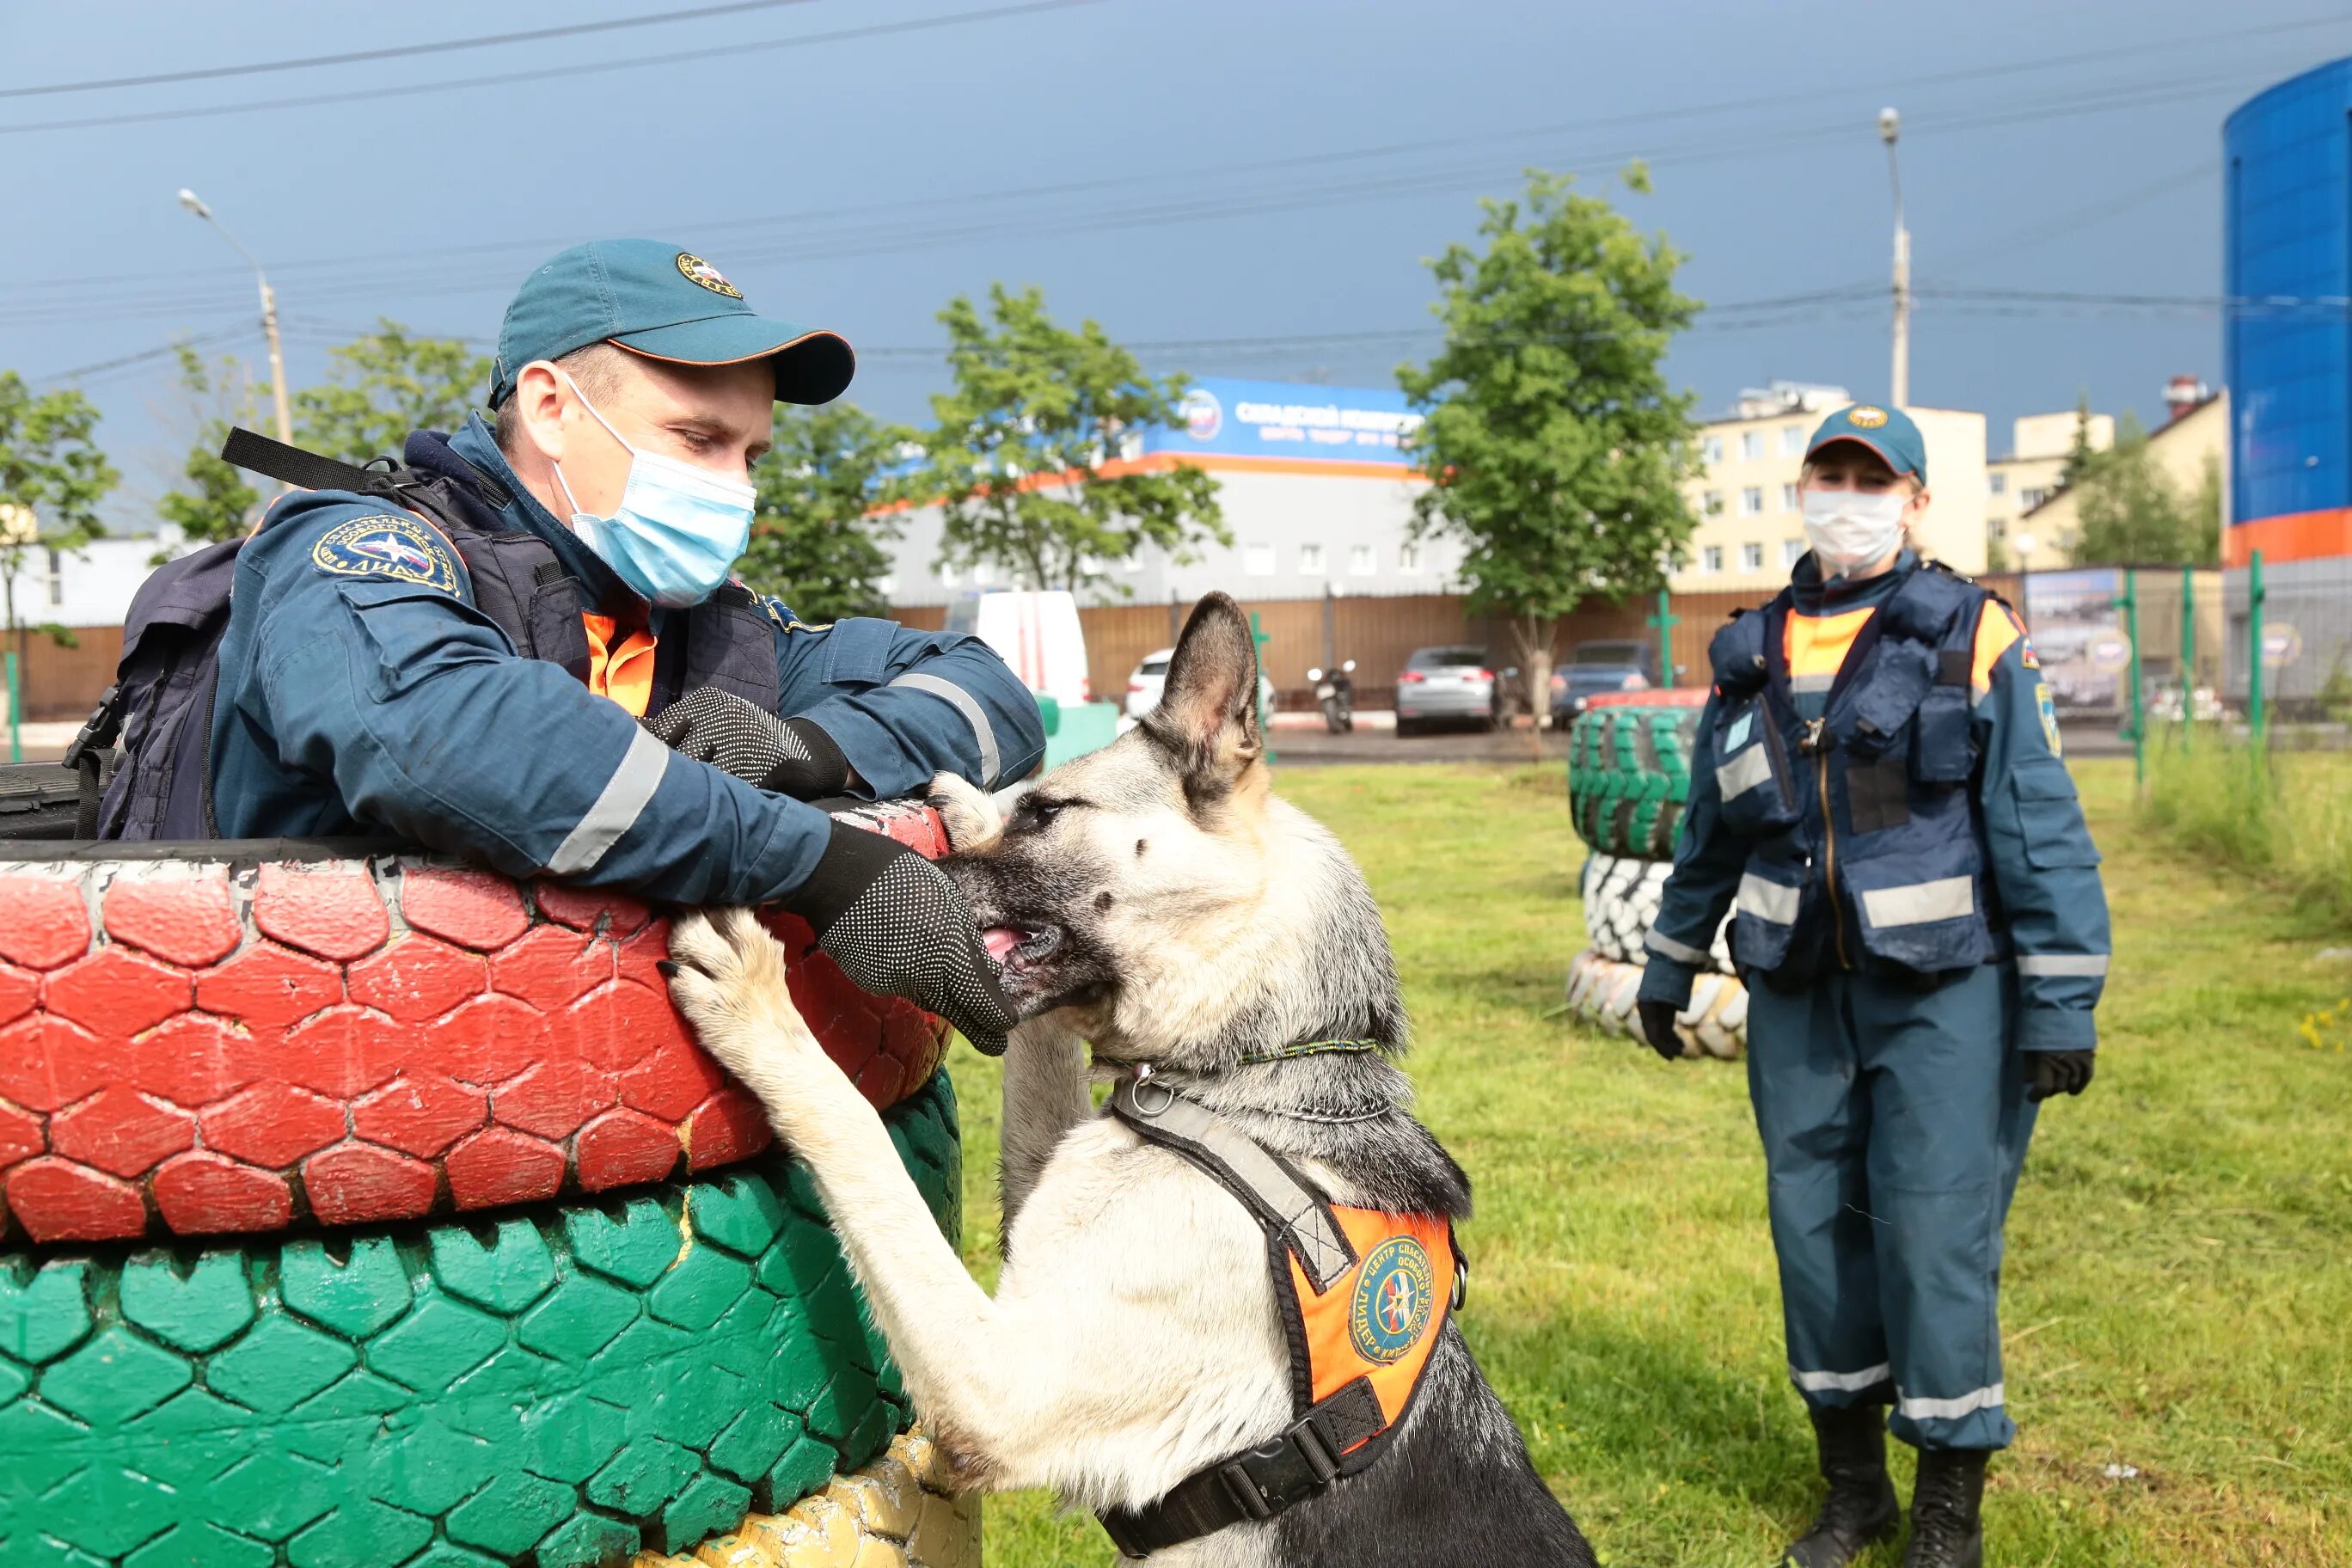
{"x": 1337, "y": 693}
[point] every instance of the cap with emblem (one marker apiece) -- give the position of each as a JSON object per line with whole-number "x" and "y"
{"x": 665, "y": 303}
{"x": 1885, "y": 431}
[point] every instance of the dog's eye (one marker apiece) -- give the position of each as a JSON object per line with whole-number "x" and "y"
{"x": 1040, "y": 813}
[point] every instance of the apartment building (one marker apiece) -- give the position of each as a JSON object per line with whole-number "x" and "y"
{"x": 1750, "y": 525}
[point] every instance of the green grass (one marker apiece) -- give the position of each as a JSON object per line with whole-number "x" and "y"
{"x": 2180, "y": 1269}
{"x": 2287, "y": 817}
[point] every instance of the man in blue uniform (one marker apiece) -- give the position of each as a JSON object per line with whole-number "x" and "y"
{"x": 549, "y": 669}
{"x": 1877, "y": 780}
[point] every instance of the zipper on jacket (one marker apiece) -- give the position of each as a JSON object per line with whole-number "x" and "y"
{"x": 1812, "y": 743}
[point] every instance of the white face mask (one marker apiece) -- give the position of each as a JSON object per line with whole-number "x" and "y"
{"x": 1852, "y": 529}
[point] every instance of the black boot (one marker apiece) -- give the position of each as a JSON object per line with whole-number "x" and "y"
{"x": 1862, "y": 1506}
{"x": 1946, "y": 1528}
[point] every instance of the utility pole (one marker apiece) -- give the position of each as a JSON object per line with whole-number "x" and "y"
{"x": 195, "y": 204}
{"x": 1898, "y": 388}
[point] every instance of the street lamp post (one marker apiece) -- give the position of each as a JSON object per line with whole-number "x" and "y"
{"x": 1898, "y": 390}
{"x": 195, "y": 204}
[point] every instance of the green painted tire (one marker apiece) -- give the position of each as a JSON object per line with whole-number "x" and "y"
{"x": 563, "y": 1384}
{"x": 1629, "y": 775}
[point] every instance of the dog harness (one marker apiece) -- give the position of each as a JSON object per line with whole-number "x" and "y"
{"x": 1363, "y": 1295}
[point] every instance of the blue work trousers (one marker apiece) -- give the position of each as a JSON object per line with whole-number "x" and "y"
{"x": 1895, "y": 1124}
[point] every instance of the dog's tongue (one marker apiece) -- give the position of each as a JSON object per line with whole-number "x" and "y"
{"x": 1000, "y": 941}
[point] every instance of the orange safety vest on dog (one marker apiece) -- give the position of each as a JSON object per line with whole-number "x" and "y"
{"x": 1364, "y": 1295}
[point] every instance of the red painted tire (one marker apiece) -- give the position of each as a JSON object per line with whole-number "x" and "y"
{"x": 231, "y": 1037}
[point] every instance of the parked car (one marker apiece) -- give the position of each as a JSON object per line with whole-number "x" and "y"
{"x": 1445, "y": 684}
{"x": 1150, "y": 677}
{"x": 1594, "y": 668}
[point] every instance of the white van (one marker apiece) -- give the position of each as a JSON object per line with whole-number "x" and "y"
{"x": 1037, "y": 633}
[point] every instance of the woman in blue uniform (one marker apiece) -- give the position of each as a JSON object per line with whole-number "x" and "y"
{"x": 1877, "y": 783}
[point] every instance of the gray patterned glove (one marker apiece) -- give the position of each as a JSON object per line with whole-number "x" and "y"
{"x": 788, "y": 756}
{"x": 898, "y": 928}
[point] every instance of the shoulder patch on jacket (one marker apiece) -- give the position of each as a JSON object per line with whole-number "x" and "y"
{"x": 390, "y": 546}
{"x": 2049, "y": 707}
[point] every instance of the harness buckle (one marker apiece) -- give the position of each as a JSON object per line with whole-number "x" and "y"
{"x": 1128, "y": 1544}
{"x": 1242, "y": 1486}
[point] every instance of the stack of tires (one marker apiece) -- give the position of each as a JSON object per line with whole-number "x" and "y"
{"x": 1629, "y": 764}
{"x": 360, "y": 1211}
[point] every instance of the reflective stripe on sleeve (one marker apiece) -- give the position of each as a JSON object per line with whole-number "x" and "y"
{"x": 1949, "y": 1409}
{"x": 1744, "y": 772}
{"x": 618, "y": 807}
{"x": 1768, "y": 901}
{"x": 964, "y": 703}
{"x": 2086, "y": 963}
{"x": 1841, "y": 1381}
{"x": 1664, "y": 946}
{"x": 1944, "y": 899}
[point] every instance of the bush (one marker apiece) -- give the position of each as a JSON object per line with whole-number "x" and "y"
{"x": 2286, "y": 818}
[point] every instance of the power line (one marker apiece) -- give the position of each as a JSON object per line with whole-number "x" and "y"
{"x": 549, "y": 73}
{"x": 202, "y": 341}
{"x": 401, "y": 51}
{"x": 1255, "y": 165}
{"x": 881, "y": 234}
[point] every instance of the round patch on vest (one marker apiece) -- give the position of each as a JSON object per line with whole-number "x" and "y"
{"x": 697, "y": 271}
{"x": 1396, "y": 1295}
{"x": 399, "y": 548}
{"x": 1865, "y": 418}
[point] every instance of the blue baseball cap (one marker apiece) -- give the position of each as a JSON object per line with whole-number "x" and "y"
{"x": 665, "y": 303}
{"x": 1885, "y": 431}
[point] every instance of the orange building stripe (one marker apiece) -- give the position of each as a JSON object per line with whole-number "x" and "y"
{"x": 2292, "y": 536}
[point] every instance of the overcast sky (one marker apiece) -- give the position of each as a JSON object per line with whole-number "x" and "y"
{"x": 1251, "y": 189}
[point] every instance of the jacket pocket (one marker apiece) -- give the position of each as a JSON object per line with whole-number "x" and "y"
{"x": 1941, "y": 751}
{"x": 1912, "y": 917}
{"x": 1773, "y": 901}
{"x": 2049, "y": 817}
{"x": 1751, "y": 770}
{"x": 857, "y": 652}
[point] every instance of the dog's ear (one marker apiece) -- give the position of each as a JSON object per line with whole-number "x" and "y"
{"x": 1207, "y": 714}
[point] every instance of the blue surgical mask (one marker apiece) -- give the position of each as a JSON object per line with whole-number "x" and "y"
{"x": 679, "y": 530}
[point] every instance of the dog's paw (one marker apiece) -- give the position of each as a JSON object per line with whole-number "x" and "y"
{"x": 727, "y": 977}
{"x": 968, "y": 813}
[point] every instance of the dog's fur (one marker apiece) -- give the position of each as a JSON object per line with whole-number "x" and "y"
{"x": 1166, "y": 908}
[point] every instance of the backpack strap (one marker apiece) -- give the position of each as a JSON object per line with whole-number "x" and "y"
{"x": 257, "y": 453}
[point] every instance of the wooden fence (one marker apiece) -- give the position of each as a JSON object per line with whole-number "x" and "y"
{"x": 65, "y": 682}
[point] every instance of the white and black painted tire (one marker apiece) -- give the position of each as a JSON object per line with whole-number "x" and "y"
{"x": 1602, "y": 992}
{"x": 1621, "y": 904}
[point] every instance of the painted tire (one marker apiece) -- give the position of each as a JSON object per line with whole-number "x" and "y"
{"x": 1601, "y": 991}
{"x": 1629, "y": 773}
{"x": 224, "y": 1039}
{"x": 1621, "y": 903}
{"x": 900, "y": 1511}
{"x": 564, "y": 1385}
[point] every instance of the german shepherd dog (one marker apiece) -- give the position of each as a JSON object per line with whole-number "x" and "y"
{"x": 1155, "y": 899}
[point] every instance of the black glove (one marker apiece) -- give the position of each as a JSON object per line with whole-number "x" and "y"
{"x": 898, "y": 928}
{"x": 2059, "y": 1072}
{"x": 790, "y": 756}
{"x": 1658, "y": 1027}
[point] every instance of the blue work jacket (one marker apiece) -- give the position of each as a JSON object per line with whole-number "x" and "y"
{"x": 1944, "y": 835}
{"x": 362, "y": 693}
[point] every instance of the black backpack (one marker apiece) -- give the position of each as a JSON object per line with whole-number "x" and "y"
{"x": 161, "y": 704}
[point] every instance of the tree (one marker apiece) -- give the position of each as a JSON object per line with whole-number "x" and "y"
{"x": 216, "y": 501}
{"x": 2129, "y": 512}
{"x": 52, "y": 476}
{"x": 383, "y": 385}
{"x": 1554, "y": 447}
{"x": 1026, "y": 448}
{"x": 2080, "y": 453}
{"x": 816, "y": 538}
